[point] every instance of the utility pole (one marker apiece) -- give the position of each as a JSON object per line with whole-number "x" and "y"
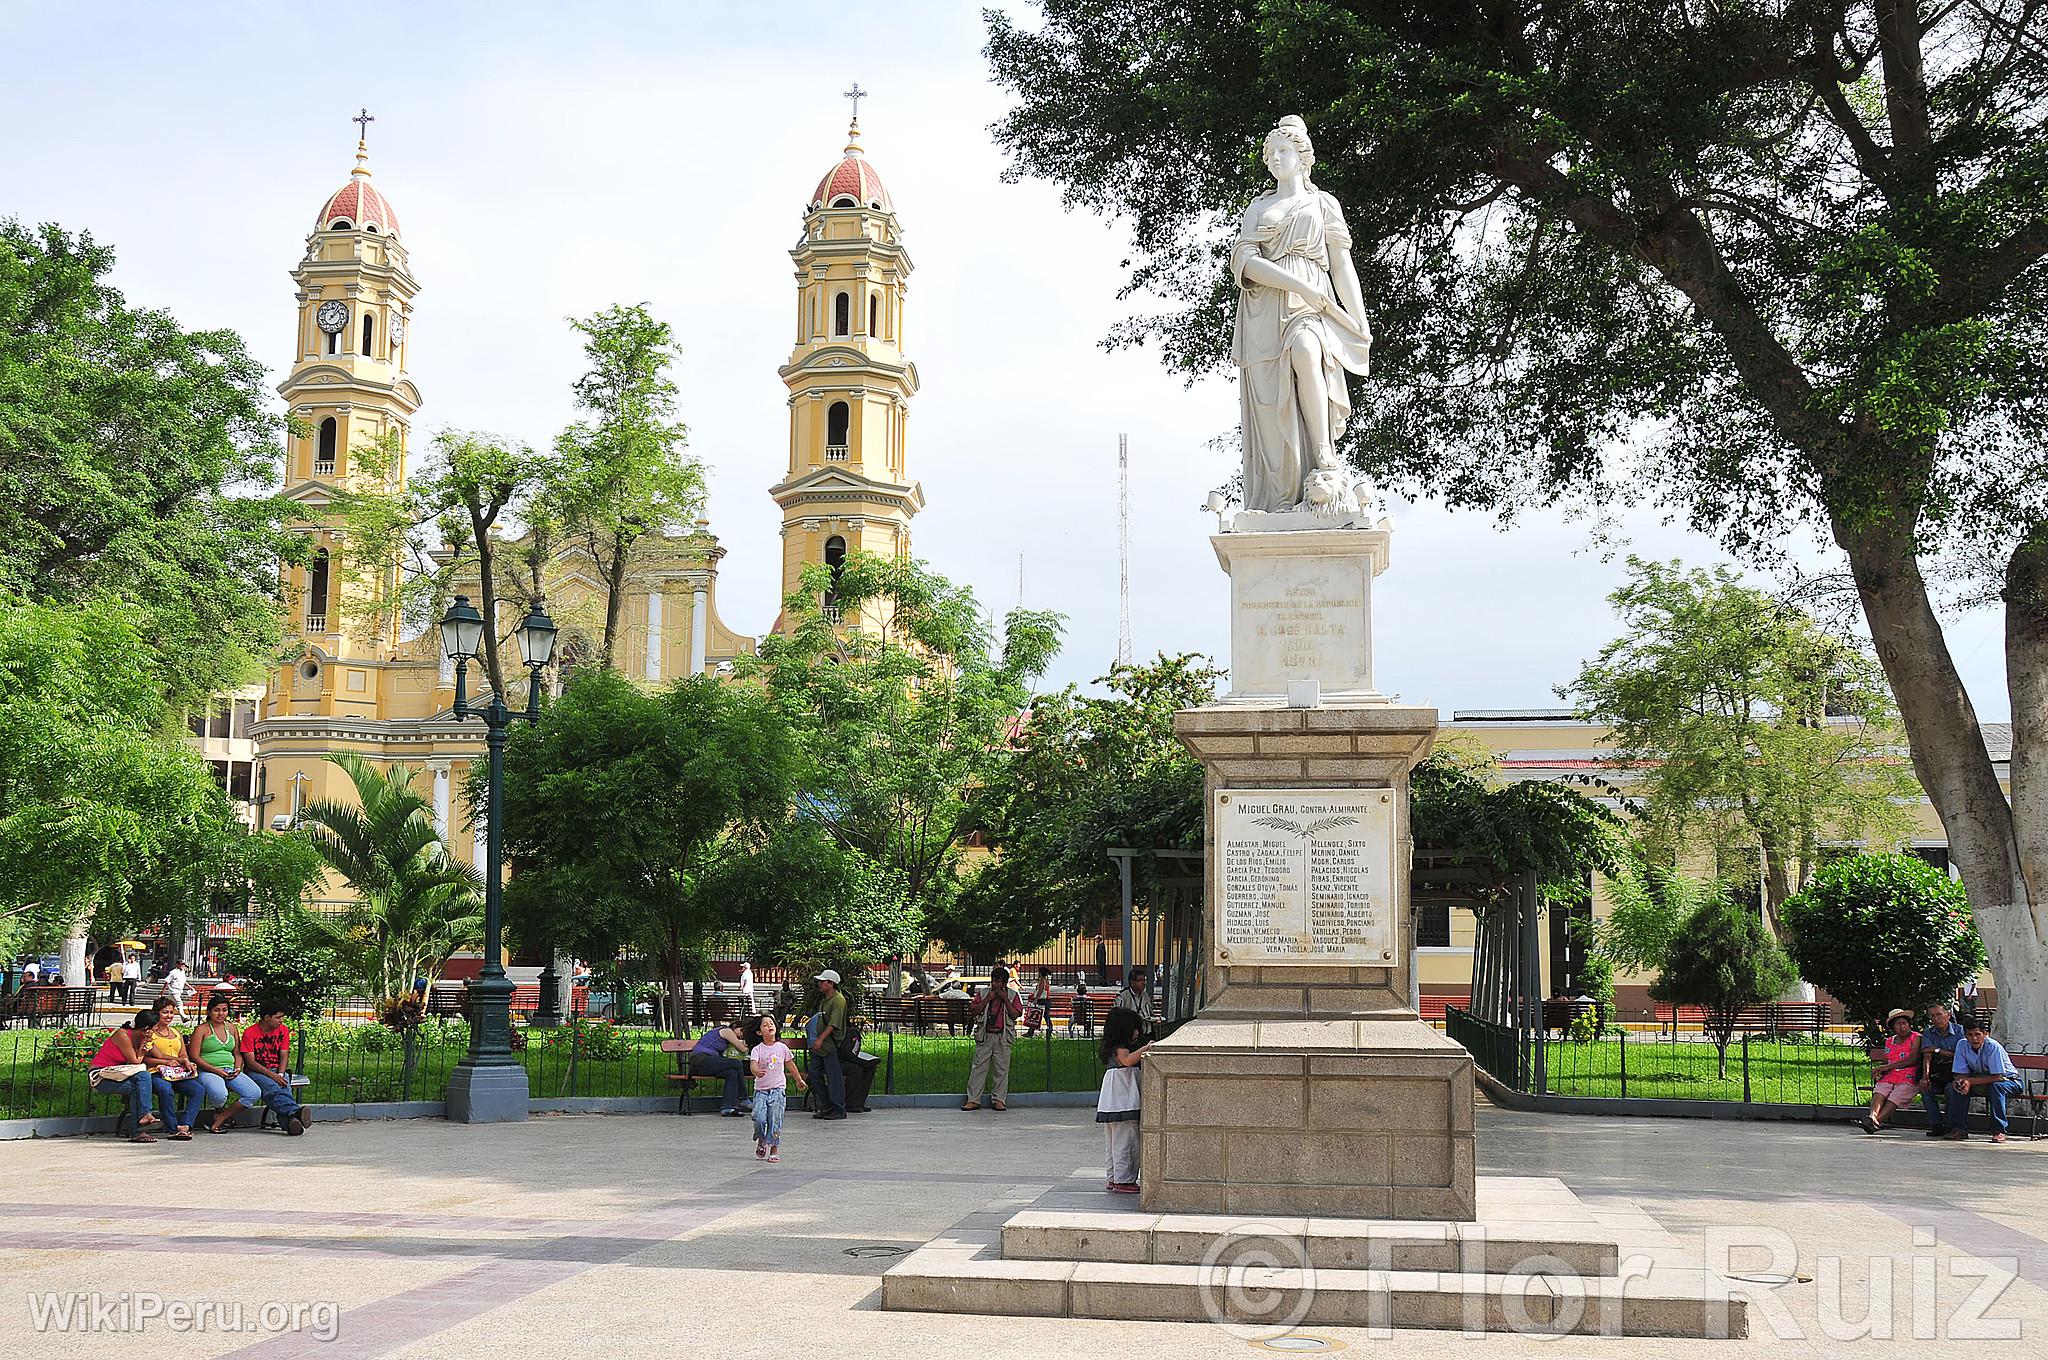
{"x": 1123, "y": 548}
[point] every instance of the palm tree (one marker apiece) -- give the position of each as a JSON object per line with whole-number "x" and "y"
{"x": 416, "y": 906}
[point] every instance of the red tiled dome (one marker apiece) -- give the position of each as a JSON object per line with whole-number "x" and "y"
{"x": 852, "y": 178}
{"x": 358, "y": 204}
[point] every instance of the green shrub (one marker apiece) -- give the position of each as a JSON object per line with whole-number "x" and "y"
{"x": 1880, "y": 931}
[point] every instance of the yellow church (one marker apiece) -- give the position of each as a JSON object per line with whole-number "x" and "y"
{"x": 349, "y": 684}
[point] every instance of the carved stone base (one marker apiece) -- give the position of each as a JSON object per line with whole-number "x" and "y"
{"x": 1339, "y": 1118}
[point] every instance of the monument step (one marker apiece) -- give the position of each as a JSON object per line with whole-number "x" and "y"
{"x": 1665, "y": 1301}
{"x": 1496, "y": 1246}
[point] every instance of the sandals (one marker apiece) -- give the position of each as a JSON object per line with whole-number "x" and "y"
{"x": 997, "y": 1105}
{"x": 140, "y": 1137}
{"x": 971, "y": 1105}
{"x": 182, "y": 1136}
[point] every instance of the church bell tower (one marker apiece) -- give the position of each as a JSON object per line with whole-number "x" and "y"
{"x": 848, "y": 488}
{"x": 350, "y": 400}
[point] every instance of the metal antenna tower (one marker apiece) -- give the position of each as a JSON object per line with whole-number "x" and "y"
{"x": 1123, "y": 548}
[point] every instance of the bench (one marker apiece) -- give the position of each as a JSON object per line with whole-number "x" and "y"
{"x": 2033, "y": 1069}
{"x": 49, "y": 1004}
{"x": 1560, "y": 1015}
{"x": 684, "y": 1077}
{"x": 1431, "y": 1008}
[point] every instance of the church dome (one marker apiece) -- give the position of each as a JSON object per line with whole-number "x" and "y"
{"x": 852, "y": 183}
{"x": 356, "y": 205}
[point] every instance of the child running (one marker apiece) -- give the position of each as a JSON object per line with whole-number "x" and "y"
{"x": 774, "y": 1068}
{"x": 1116, "y": 1109}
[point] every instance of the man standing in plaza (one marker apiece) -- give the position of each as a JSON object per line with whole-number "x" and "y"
{"x": 1982, "y": 1068}
{"x": 1937, "y": 1056}
{"x": 994, "y": 1014}
{"x": 828, "y": 1027}
{"x": 1133, "y": 998}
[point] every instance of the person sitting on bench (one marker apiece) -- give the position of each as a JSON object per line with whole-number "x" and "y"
{"x": 1982, "y": 1068}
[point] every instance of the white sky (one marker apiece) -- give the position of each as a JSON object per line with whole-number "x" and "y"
{"x": 548, "y": 160}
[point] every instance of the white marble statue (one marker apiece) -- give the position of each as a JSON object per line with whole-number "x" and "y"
{"x": 1300, "y": 327}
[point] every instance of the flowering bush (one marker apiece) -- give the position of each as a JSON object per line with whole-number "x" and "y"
{"x": 72, "y": 1048}
{"x": 594, "y": 1040}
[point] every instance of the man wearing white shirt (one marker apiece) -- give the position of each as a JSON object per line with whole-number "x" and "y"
{"x": 174, "y": 988}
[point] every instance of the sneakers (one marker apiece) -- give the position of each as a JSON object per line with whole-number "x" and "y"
{"x": 1123, "y": 1188}
{"x": 829, "y": 1114}
{"x": 733, "y": 1113}
{"x": 1936, "y": 1131}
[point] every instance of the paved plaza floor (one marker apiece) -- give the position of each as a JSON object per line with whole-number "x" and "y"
{"x": 652, "y": 1235}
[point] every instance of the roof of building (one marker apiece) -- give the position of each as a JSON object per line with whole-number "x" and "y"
{"x": 356, "y": 205}
{"x": 852, "y": 182}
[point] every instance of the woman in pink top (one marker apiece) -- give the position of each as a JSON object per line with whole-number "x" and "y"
{"x": 1895, "y": 1080}
{"x": 121, "y": 1051}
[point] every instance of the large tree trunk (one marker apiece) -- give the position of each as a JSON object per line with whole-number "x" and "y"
{"x": 1953, "y": 767}
{"x": 2021, "y": 965}
{"x": 614, "y": 601}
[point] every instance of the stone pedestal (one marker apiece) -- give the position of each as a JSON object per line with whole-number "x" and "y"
{"x": 1301, "y": 611}
{"x": 1306, "y": 1084}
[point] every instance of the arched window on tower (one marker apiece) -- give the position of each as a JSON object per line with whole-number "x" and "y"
{"x": 842, "y": 314}
{"x": 316, "y": 594}
{"x": 835, "y": 562}
{"x": 323, "y": 457}
{"x": 837, "y": 417}
{"x": 874, "y": 314}
{"x": 369, "y": 335}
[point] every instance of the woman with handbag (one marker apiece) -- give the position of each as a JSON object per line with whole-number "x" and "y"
{"x": 118, "y": 1066}
{"x": 163, "y": 1050}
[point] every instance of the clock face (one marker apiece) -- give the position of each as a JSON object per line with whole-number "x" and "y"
{"x": 331, "y": 317}
{"x": 397, "y": 330}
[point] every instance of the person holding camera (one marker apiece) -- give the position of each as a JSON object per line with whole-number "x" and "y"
{"x": 993, "y": 1015}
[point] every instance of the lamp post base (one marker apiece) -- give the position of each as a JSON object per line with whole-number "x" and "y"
{"x": 494, "y": 1094}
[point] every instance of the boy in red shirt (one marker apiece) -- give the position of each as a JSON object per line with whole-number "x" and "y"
{"x": 266, "y": 1048}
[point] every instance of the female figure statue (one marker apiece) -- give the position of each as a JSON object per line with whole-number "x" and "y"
{"x": 1300, "y": 326}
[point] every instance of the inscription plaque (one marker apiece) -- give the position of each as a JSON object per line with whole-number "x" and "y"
{"x": 1305, "y": 876}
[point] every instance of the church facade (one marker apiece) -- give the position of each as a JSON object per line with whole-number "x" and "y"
{"x": 353, "y": 680}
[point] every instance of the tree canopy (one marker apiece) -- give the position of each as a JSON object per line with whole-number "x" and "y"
{"x": 105, "y": 809}
{"x": 1771, "y": 266}
{"x": 1086, "y": 772}
{"x": 901, "y": 718}
{"x": 626, "y": 810}
{"x": 131, "y": 455}
{"x": 1749, "y": 729}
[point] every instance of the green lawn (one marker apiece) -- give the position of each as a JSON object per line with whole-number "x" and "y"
{"x": 1825, "y": 1071}
{"x": 352, "y": 1063}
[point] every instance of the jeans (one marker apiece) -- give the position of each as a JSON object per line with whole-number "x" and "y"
{"x": 1934, "y": 1100}
{"x": 137, "y": 1091}
{"x": 275, "y": 1094}
{"x": 1995, "y": 1097}
{"x": 769, "y": 1103}
{"x": 187, "y": 1090}
{"x": 215, "y": 1088}
{"x": 826, "y": 1059}
{"x": 719, "y": 1065}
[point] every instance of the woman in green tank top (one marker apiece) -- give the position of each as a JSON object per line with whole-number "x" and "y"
{"x": 214, "y": 1049}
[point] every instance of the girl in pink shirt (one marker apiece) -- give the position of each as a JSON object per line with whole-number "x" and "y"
{"x": 774, "y": 1067}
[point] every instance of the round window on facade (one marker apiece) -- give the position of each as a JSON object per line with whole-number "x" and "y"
{"x": 310, "y": 669}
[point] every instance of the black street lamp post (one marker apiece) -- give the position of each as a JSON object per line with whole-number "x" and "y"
{"x": 489, "y": 1085}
